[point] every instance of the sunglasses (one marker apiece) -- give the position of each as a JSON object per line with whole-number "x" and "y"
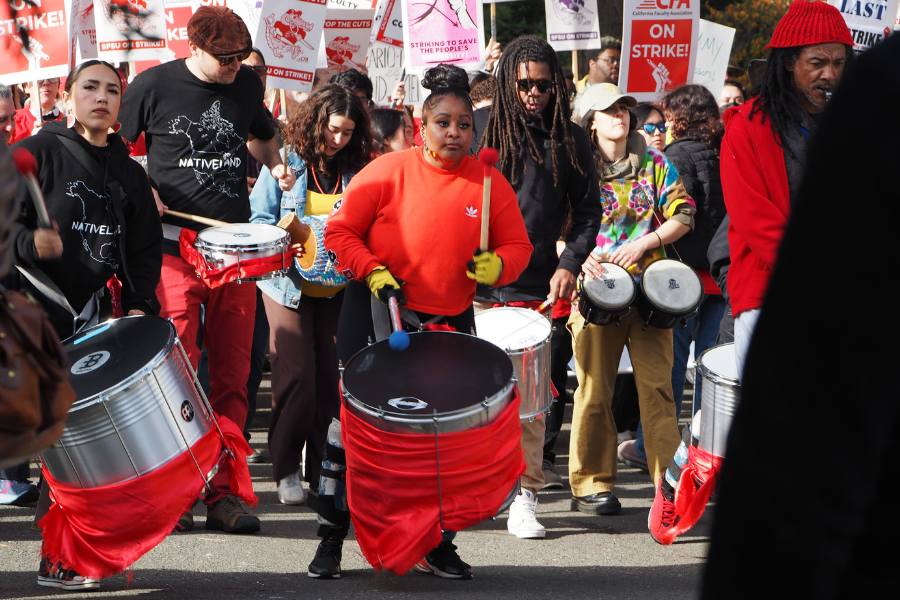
{"x": 259, "y": 69}
{"x": 43, "y": 81}
{"x": 526, "y": 85}
{"x": 224, "y": 61}
{"x": 649, "y": 127}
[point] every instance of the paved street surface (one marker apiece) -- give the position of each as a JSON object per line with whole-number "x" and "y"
{"x": 583, "y": 557}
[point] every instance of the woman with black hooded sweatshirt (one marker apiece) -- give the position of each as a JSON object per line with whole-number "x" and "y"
{"x": 104, "y": 217}
{"x": 105, "y": 223}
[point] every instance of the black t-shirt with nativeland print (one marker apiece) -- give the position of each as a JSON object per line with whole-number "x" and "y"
{"x": 196, "y": 135}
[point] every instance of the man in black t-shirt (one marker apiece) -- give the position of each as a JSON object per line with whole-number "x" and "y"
{"x": 199, "y": 117}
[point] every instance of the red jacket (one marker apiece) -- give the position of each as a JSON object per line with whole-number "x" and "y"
{"x": 423, "y": 224}
{"x": 25, "y": 123}
{"x": 755, "y": 185}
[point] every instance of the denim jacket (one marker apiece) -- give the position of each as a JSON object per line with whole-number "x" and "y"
{"x": 269, "y": 205}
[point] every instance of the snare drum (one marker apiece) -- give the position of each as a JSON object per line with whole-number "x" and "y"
{"x": 239, "y": 243}
{"x": 443, "y": 382}
{"x": 137, "y": 409}
{"x": 525, "y": 337}
{"x": 605, "y": 300}
{"x": 672, "y": 292}
{"x": 719, "y": 397}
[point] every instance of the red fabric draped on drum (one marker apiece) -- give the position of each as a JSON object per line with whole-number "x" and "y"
{"x": 253, "y": 267}
{"x": 100, "y": 531}
{"x": 392, "y": 484}
{"x": 690, "y": 500}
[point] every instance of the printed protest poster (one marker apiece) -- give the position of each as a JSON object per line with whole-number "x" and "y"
{"x": 659, "y": 46}
{"x": 345, "y": 41}
{"x": 572, "y": 24}
{"x": 248, "y": 10}
{"x": 385, "y": 64}
{"x": 130, "y": 29}
{"x": 713, "y": 51}
{"x": 870, "y": 21}
{"x": 82, "y": 31}
{"x": 352, "y": 4}
{"x": 443, "y": 31}
{"x": 289, "y": 34}
{"x": 47, "y": 51}
{"x": 390, "y": 30}
{"x": 178, "y": 13}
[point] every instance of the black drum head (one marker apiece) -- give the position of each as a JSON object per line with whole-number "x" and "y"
{"x": 112, "y": 352}
{"x": 440, "y": 370}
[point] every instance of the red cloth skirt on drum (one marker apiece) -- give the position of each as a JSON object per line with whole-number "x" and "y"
{"x": 252, "y": 267}
{"x": 696, "y": 485}
{"x": 101, "y": 531}
{"x": 392, "y": 484}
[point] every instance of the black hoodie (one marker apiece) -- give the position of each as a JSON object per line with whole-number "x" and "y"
{"x": 544, "y": 207}
{"x": 91, "y": 233}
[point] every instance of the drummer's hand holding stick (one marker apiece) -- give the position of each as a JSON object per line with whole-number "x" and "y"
{"x": 387, "y": 289}
{"x": 47, "y": 242}
{"x": 562, "y": 285}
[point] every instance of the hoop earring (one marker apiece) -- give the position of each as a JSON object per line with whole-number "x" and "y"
{"x": 70, "y": 120}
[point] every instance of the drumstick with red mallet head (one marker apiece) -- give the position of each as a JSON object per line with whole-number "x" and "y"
{"x": 27, "y": 166}
{"x": 488, "y": 158}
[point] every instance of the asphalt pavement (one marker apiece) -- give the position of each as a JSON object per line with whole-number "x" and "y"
{"x": 583, "y": 556}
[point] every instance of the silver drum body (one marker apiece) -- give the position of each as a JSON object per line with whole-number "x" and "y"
{"x": 229, "y": 245}
{"x": 719, "y": 397}
{"x": 150, "y": 413}
{"x": 525, "y": 337}
{"x": 443, "y": 382}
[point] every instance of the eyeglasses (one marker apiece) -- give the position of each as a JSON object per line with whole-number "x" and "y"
{"x": 613, "y": 62}
{"x": 224, "y": 61}
{"x": 649, "y": 127}
{"x": 258, "y": 69}
{"x": 526, "y": 85}
{"x": 43, "y": 81}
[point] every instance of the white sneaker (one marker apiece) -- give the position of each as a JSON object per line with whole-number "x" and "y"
{"x": 522, "y": 522}
{"x": 290, "y": 490}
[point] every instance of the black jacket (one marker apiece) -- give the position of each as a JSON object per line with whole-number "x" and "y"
{"x": 544, "y": 207}
{"x": 698, "y": 166}
{"x": 94, "y": 224}
{"x": 720, "y": 257}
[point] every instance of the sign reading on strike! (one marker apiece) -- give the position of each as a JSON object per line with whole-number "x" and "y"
{"x": 870, "y": 21}
{"x": 47, "y": 53}
{"x": 572, "y": 24}
{"x": 289, "y": 34}
{"x": 130, "y": 29}
{"x": 658, "y": 46}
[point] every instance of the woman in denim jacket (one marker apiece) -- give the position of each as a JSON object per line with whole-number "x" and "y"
{"x": 329, "y": 141}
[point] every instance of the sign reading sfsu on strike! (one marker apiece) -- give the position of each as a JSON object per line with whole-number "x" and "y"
{"x": 659, "y": 46}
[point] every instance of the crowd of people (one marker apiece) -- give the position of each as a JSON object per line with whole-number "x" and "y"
{"x": 588, "y": 180}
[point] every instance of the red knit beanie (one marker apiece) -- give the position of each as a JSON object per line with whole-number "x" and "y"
{"x": 809, "y": 23}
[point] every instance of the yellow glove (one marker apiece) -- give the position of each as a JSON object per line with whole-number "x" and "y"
{"x": 383, "y": 285}
{"x": 486, "y": 267}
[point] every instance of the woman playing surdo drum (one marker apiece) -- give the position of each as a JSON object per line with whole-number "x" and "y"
{"x": 407, "y": 225}
{"x": 105, "y": 223}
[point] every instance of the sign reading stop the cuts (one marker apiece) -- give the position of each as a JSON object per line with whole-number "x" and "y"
{"x": 658, "y": 46}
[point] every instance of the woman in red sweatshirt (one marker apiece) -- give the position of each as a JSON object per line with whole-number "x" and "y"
{"x": 414, "y": 218}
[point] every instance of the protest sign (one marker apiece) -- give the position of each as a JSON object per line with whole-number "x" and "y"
{"x": 385, "y": 64}
{"x": 47, "y": 54}
{"x": 130, "y": 29}
{"x": 178, "y": 13}
{"x": 345, "y": 41}
{"x": 390, "y": 30}
{"x": 659, "y": 46}
{"x": 432, "y": 35}
{"x": 289, "y": 33}
{"x": 870, "y": 21}
{"x": 247, "y": 10}
{"x": 572, "y": 24}
{"x": 352, "y": 4}
{"x": 713, "y": 51}
{"x": 82, "y": 32}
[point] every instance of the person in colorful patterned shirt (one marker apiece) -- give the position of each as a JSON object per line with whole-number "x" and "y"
{"x": 645, "y": 207}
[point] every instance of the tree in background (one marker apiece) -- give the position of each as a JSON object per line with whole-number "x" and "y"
{"x": 754, "y": 22}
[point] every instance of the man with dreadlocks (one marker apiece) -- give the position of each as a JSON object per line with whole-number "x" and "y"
{"x": 547, "y": 159}
{"x": 763, "y": 151}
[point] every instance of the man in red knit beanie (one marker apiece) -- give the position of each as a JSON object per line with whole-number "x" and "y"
{"x": 762, "y": 162}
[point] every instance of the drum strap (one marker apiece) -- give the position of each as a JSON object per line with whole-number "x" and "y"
{"x": 88, "y": 317}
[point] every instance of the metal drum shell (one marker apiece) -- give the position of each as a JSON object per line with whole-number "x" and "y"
{"x": 719, "y": 400}
{"x": 470, "y": 417}
{"x": 531, "y": 365}
{"x": 216, "y": 255}
{"x": 132, "y": 428}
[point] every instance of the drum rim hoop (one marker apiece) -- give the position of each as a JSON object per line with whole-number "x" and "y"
{"x": 524, "y": 349}
{"x": 124, "y": 384}
{"x": 710, "y": 375}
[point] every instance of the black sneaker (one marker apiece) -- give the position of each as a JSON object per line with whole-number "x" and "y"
{"x": 444, "y": 562}
{"x": 327, "y": 563}
{"x": 58, "y": 576}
